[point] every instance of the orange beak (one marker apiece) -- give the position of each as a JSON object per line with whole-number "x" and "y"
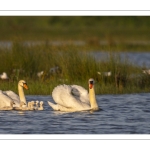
{"x": 25, "y": 86}
{"x": 90, "y": 86}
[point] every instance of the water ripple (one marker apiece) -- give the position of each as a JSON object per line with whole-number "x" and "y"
{"x": 120, "y": 114}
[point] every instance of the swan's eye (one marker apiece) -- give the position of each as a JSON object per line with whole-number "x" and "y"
{"x": 91, "y": 82}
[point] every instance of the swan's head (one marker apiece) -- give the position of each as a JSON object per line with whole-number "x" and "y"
{"x": 91, "y": 83}
{"x": 37, "y": 102}
{"x": 23, "y": 84}
{"x": 41, "y": 102}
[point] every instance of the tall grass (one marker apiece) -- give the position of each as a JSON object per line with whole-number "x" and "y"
{"x": 76, "y": 67}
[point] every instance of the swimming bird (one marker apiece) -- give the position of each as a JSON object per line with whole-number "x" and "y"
{"x": 21, "y": 107}
{"x": 8, "y": 107}
{"x": 71, "y": 98}
{"x": 36, "y": 105}
{"x": 7, "y": 97}
{"x": 32, "y": 105}
{"x": 41, "y": 106}
{"x": 29, "y": 105}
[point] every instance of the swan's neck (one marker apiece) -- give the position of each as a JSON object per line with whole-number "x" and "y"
{"x": 93, "y": 102}
{"x": 21, "y": 94}
{"x": 41, "y": 106}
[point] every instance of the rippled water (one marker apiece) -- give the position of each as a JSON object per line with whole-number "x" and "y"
{"x": 120, "y": 114}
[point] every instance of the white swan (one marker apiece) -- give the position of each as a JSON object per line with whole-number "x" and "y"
{"x": 7, "y": 97}
{"x": 41, "y": 106}
{"x": 32, "y": 105}
{"x": 36, "y": 105}
{"x": 8, "y": 107}
{"x": 71, "y": 98}
{"x": 21, "y": 107}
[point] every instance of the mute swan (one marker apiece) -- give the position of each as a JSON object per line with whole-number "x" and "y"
{"x": 29, "y": 105}
{"x": 36, "y": 105}
{"x": 7, "y": 97}
{"x": 32, "y": 105}
{"x": 21, "y": 107}
{"x": 71, "y": 98}
{"x": 41, "y": 106}
{"x": 8, "y": 107}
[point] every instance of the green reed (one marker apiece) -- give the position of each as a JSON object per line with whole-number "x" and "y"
{"x": 75, "y": 67}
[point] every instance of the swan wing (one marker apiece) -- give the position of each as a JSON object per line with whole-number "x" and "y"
{"x": 4, "y": 100}
{"x": 63, "y": 96}
{"x": 13, "y": 96}
{"x": 61, "y": 108}
{"x": 81, "y": 93}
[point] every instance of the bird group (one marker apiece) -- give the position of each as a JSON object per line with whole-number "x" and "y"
{"x": 68, "y": 98}
{"x": 33, "y": 105}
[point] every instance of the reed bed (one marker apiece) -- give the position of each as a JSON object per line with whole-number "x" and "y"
{"x": 74, "y": 67}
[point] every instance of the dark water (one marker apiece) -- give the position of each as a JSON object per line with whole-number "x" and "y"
{"x": 120, "y": 114}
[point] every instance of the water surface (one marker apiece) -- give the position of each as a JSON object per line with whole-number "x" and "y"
{"x": 120, "y": 114}
{"x": 137, "y": 58}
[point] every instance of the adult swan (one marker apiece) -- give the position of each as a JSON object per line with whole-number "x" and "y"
{"x": 9, "y": 97}
{"x": 71, "y": 98}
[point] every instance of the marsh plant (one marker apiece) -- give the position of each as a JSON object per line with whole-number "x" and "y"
{"x": 74, "y": 66}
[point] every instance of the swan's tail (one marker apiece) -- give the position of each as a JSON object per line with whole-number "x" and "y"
{"x": 54, "y": 106}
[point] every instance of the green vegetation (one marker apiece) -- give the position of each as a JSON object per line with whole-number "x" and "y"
{"x": 75, "y": 67}
{"x": 119, "y": 32}
{"x": 96, "y": 33}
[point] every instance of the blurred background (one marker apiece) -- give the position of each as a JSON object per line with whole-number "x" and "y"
{"x": 52, "y": 50}
{"x": 86, "y": 28}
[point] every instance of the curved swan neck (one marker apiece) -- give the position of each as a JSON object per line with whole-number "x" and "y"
{"x": 94, "y": 105}
{"x": 21, "y": 94}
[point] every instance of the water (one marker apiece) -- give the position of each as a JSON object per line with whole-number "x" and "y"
{"x": 120, "y": 114}
{"x": 137, "y": 58}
